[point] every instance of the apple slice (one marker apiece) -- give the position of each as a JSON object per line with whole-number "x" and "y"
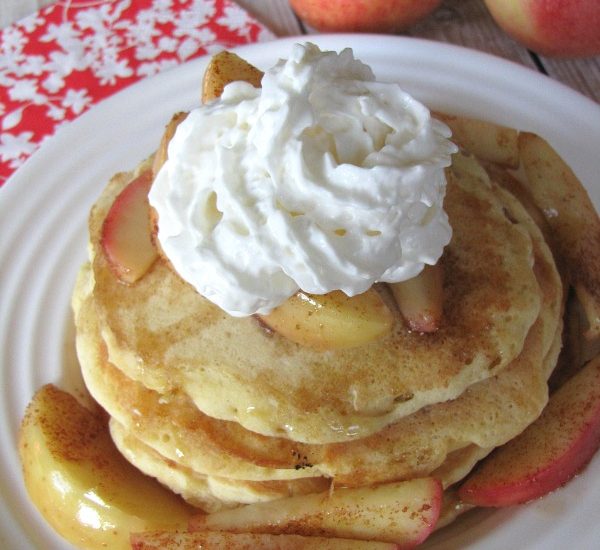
{"x": 486, "y": 140}
{"x": 572, "y": 217}
{"x": 502, "y": 177}
{"x": 403, "y": 513}
{"x": 452, "y": 508}
{"x": 224, "y": 68}
{"x": 332, "y": 320}
{"x": 81, "y": 484}
{"x": 126, "y": 236}
{"x": 216, "y": 540}
{"x": 549, "y": 452}
{"x": 161, "y": 154}
{"x": 421, "y": 299}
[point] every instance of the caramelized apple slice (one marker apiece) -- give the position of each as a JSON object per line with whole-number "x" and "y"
{"x": 331, "y": 321}
{"x": 79, "y": 481}
{"x": 549, "y": 452}
{"x": 126, "y": 236}
{"x": 452, "y": 508}
{"x": 505, "y": 179}
{"x": 161, "y": 153}
{"x": 467, "y": 166}
{"x": 572, "y": 218}
{"x": 224, "y": 68}
{"x": 404, "y": 513}
{"x": 421, "y": 299}
{"x": 486, "y": 140}
{"x": 216, "y": 540}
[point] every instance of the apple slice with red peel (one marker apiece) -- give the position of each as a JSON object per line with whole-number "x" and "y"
{"x": 404, "y": 513}
{"x": 332, "y": 320}
{"x": 217, "y": 540}
{"x": 421, "y": 299}
{"x": 548, "y": 453}
{"x": 126, "y": 236}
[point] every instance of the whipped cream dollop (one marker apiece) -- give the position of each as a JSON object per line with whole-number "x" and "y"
{"x": 322, "y": 180}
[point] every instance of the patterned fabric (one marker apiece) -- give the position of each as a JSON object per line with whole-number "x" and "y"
{"x": 58, "y": 62}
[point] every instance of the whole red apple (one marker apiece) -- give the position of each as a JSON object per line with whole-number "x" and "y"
{"x": 385, "y": 16}
{"x": 560, "y": 28}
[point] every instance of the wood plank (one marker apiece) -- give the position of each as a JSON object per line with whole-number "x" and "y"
{"x": 275, "y": 14}
{"x": 462, "y": 22}
{"x": 468, "y": 23}
{"x": 581, "y": 74}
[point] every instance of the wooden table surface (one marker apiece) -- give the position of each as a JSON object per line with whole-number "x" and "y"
{"x": 462, "y": 22}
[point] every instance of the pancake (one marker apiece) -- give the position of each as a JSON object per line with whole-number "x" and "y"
{"x": 215, "y": 493}
{"x": 210, "y": 493}
{"x": 487, "y": 415}
{"x": 215, "y": 462}
{"x": 161, "y": 333}
{"x": 171, "y": 424}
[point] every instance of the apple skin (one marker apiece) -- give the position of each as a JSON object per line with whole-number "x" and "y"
{"x": 387, "y": 16}
{"x": 555, "y": 28}
{"x": 126, "y": 236}
{"x": 548, "y": 453}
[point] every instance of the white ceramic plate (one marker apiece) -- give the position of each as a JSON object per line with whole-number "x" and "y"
{"x": 43, "y": 211}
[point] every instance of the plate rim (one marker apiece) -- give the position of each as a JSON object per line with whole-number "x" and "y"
{"x": 21, "y": 182}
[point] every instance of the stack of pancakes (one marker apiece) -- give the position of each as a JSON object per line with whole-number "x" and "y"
{"x": 225, "y": 412}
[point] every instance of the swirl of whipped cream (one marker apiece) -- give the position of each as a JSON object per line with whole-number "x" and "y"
{"x": 324, "y": 179}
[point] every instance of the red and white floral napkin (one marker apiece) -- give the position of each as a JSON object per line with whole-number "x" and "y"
{"x": 58, "y": 62}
